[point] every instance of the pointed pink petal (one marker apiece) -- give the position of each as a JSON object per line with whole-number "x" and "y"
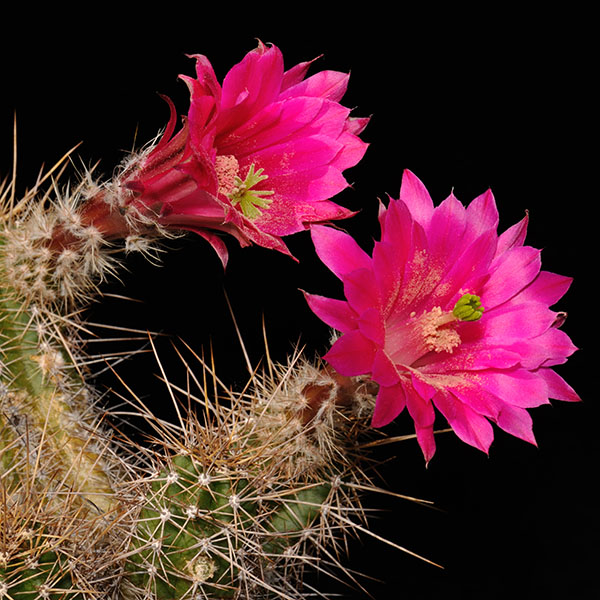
{"x": 517, "y": 422}
{"x": 513, "y": 237}
{"x": 465, "y": 272}
{"x": 324, "y": 84}
{"x": 510, "y": 273}
{"x": 516, "y": 321}
{"x": 480, "y": 400}
{"x": 468, "y": 425}
{"x": 445, "y": 231}
{"x": 547, "y": 287}
{"x": 250, "y": 85}
{"x": 473, "y": 356}
{"x": 551, "y": 348}
{"x": 295, "y": 75}
{"x": 558, "y": 388}
{"x": 414, "y": 194}
{"x": 383, "y": 370}
{"x": 361, "y": 291}
{"x": 338, "y": 250}
{"x": 352, "y": 354}
{"x": 372, "y": 326}
{"x": 482, "y": 215}
{"x": 335, "y": 313}
{"x": 389, "y": 404}
{"x": 518, "y": 387}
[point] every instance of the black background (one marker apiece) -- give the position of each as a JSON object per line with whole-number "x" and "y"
{"x": 466, "y": 100}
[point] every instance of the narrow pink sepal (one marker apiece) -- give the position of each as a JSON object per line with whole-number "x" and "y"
{"x": 423, "y": 415}
{"x": 426, "y": 440}
{"x": 217, "y": 244}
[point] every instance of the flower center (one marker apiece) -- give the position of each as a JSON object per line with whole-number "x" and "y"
{"x": 249, "y": 199}
{"x": 409, "y": 340}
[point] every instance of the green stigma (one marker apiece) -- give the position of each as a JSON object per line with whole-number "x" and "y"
{"x": 250, "y": 200}
{"x": 468, "y": 308}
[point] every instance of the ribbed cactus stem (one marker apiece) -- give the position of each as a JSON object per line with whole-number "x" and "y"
{"x": 43, "y": 392}
{"x": 236, "y": 511}
{"x": 47, "y": 392}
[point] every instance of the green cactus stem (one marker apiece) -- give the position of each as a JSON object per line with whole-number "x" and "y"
{"x": 45, "y": 393}
{"x": 235, "y": 508}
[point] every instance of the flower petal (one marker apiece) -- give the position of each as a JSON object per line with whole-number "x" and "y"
{"x": 338, "y": 250}
{"x": 389, "y": 404}
{"x": 352, "y": 354}
{"x": 335, "y": 313}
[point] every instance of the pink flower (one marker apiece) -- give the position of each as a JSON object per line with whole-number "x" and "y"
{"x": 447, "y": 313}
{"x": 258, "y": 157}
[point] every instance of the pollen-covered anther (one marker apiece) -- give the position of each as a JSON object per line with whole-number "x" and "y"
{"x": 437, "y": 335}
{"x": 227, "y": 169}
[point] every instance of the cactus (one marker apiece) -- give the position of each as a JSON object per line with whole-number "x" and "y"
{"x": 231, "y": 508}
{"x": 251, "y": 487}
{"x": 235, "y": 501}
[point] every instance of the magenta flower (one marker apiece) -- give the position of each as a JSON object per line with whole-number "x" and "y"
{"x": 259, "y": 157}
{"x": 447, "y": 313}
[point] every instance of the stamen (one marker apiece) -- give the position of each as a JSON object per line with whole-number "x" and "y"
{"x": 468, "y": 308}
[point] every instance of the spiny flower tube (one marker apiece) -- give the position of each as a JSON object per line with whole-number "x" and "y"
{"x": 446, "y": 313}
{"x": 258, "y": 157}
